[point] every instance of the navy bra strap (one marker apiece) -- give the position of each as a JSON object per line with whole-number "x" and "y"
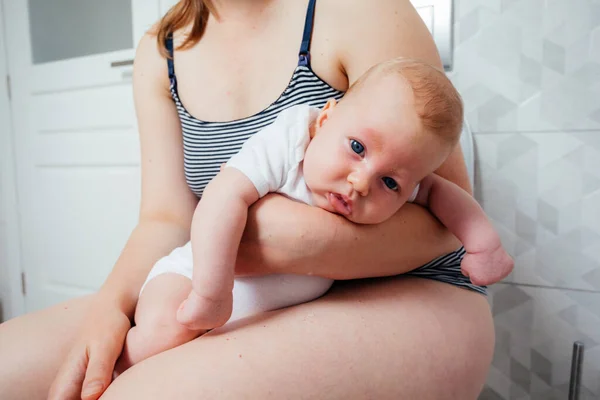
{"x": 169, "y": 46}
{"x": 304, "y": 56}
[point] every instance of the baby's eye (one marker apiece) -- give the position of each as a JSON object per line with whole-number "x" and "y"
{"x": 357, "y": 147}
{"x": 390, "y": 183}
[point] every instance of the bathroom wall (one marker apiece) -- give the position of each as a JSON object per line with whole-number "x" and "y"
{"x": 529, "y": 73}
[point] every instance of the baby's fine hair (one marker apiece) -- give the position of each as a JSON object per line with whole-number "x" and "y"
{"x": 437, "y": 101}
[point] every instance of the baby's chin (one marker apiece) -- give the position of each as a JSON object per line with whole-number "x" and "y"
{"x": 367, "y": 219}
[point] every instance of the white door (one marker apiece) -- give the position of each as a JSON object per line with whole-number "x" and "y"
{"x": 77, "y": 153}
{"x": 11, "y": 301}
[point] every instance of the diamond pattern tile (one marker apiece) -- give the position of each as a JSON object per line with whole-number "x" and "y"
{"x": 535, "y": 331}
{"x": 542, "y": 193}
{"x": 528, "y": 65}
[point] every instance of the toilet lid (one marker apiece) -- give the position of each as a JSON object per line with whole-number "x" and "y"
{"x": 466, "y": 143}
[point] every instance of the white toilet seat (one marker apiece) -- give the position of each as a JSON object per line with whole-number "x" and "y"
{"x": 467, "y": 145}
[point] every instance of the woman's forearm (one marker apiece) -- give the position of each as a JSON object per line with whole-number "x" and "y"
{"x": 283, "y": 236}
{"x": 149, "y": 241}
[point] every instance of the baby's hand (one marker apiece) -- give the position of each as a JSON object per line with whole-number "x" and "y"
{"x": 487, "y": 267}
{"x": 198, "y": 312}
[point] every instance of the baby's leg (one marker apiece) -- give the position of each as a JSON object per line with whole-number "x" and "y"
{"x": 156, "y": 327}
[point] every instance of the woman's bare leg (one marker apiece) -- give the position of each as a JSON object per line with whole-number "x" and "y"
{"x": 32, "y": 348}
{"x": 399, "y": 338}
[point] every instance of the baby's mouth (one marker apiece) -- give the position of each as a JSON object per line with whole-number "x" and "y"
{"x": 340, "y": 203}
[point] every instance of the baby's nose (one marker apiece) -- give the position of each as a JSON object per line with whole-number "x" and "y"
{"x": 360, "y": 183}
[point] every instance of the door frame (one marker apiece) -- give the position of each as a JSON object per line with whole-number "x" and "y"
{"x": 9, "y": 200}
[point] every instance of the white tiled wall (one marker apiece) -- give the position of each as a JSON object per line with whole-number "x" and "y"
{"x": 535, "y": 331}
{"x": 529, "y": 65}
{"x": 529, "y": 73}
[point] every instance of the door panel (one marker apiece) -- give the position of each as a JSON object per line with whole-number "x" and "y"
{"x": 91, "y": 108}
{"x": 77, "y": 226}
{"x": 11, "y": 300}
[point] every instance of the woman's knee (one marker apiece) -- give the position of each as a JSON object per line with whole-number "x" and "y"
{"x": 34, "y": 345}
{"x": 468, "y": 352}
{"x": 441, "y": 336}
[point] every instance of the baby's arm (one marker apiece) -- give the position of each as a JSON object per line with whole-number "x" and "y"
{"x": 217, "y": 227}
{"x": 486, "y": 262}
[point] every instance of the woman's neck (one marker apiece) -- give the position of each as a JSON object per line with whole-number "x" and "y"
{"x": 242, "y": 10}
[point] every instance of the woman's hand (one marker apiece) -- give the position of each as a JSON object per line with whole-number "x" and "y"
{"x": 87, "y": 371}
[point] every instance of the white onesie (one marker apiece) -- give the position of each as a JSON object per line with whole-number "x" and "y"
{"x": 272, "y": 160}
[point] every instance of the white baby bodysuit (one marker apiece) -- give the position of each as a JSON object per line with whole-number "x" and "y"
{"x": 272, "y": 158}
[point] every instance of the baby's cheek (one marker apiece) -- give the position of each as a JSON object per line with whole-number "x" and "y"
{"x": 388, "y": 210}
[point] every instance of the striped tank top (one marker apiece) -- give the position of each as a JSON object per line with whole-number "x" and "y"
{"x": 207, "y": 145}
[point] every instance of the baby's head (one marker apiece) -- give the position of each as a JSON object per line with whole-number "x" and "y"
{"x": 395, "y": 125}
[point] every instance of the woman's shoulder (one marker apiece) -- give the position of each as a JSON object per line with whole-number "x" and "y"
{"x": 368, "y": 32}
{"x": 149, "y": 63}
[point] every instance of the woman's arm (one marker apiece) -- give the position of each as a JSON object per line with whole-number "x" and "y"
{"x": 167, "y": 204}
{"x": 283, "y": 236}
{"x": 165, "y": 216}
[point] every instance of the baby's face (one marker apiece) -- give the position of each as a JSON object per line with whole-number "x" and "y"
{"x": 368, "y": 155}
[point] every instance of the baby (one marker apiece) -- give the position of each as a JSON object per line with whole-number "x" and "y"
{"x": 361, "y": 158}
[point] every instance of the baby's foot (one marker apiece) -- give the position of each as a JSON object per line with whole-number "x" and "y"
{"x": 200, "y": 312}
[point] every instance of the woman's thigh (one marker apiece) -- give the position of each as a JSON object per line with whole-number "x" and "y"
{"x": 33, "y": 346}
{"x": 396, "y": 338}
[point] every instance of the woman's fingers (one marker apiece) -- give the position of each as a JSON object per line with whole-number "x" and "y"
{"x": 102, "y": 356}
{"x": 100, "y": 367}
{"x": 67, "y": 384}
{"x": 85, "y": 374}
{"x": 88, "y": 369}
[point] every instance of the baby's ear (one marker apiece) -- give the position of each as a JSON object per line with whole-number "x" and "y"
{"x": 325, "y": 113}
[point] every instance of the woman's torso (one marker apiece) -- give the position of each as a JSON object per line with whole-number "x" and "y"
{"x": 237, "y": 79}
{"x": 238, "y": 68}
{"x": 247, "y": 102}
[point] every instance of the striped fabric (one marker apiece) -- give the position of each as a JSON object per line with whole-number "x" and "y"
{"x": 447, "y": 269}
{"x": 207, "y": 145}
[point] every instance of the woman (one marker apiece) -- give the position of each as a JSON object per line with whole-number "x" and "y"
{"x": 398, "y": 338}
